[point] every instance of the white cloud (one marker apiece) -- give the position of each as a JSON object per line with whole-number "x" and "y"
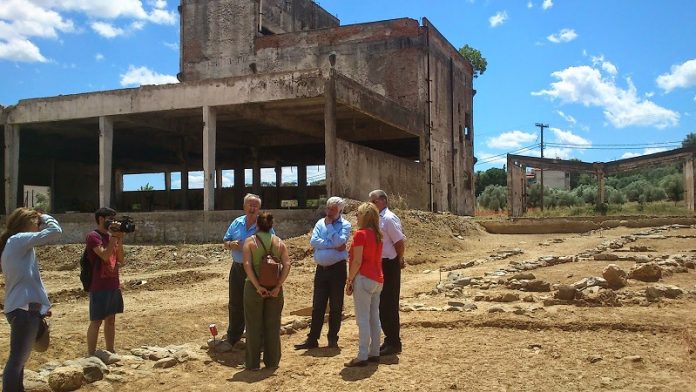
{"x": 568, "y": 137}
{"x": 570, "y": 119}
{"x": 622, "y": 107}
{"x": 511, "y": 140}
{"x": 106, "y": 30}
{"x": 680, "y": 76}
{"x": 649, "y": 94}
{"x": 172, "y": 45}
{"x": 22, "y": 20}
{"x": 99, "y": 57}
{"x": 558, "y": 153}
{"x": 20, "y": 50}
{"x": 607, "y": 66}
{"x": 564, "y": 35}
{"x": 498, "y": 18}
{"x": 547, "y": 4}
{"x": 137, "y": 76}
{"x": 651, "y": 150}
{"x": 530, "y": 4}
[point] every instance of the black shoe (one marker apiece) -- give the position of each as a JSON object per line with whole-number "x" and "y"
{"x": 389, "y": 350}
{"x": 333, "y": 344}
{"x": 307, "y": 344}
{"x": 355, "y": 362}
{"x": 374, "y": 358}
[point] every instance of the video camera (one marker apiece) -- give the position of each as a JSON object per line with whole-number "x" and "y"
{"x": 124, "y": 224}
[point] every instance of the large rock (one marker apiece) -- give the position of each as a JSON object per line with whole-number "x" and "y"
{"x": 165, "y": 363}
{"x": 107, "y": 357}
{"x": 566, "y": 293}
{"x": 66, "y": 378}
{"x": 507, "y": 297}
{"x": 537, "y": 286}
{"x": 649, "y": 272}
{"x": 662, "y": 290}
{"x": 606, "y": 257}
{"x": 615, "y": 276}
{"x": 523, "y": 276}
{"x": 34, "y": 382}
{"x": 92, "y": 368}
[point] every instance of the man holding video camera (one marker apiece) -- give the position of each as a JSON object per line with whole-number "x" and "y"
{"x": 104, "y": 251}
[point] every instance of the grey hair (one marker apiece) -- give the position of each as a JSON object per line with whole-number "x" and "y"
{"x": 336, "y": 201}
{"x": 378, "y": 194}
{"x": 250, "y": 196}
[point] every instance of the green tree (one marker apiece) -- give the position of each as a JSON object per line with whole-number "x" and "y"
{"x": 147, "y": 187}
{"x": 494, "y": 197}
{"x": 478, "y": 62}
{"x": 689, "y": 140}
{"x": 492, "y": 176}
{"x": 673, "y": 185}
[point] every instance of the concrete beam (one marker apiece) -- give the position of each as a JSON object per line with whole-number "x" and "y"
{"x": 209, "y": 133}
{"x": 11, "y": 167}
{"x": 280, "y": 120}
{"x": 350, "y": 93}
{"x": 190, "y": 95}
{"x": 106, "y": 142}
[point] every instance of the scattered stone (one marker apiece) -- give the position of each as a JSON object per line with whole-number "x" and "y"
{"x": 93, "y": 368}
{"x": 633, "y": 358}
{"x": 662, "y": 290}
{"x": 641, "y": 259}
{"x": 566, "y": 293}
{"x": 66, "y": 378}
{"x": 590, "y": 282}
{"x": 107, "y": 357}
{"x": 34, "y": 382}
{"x": 496, "y": 309}
{"x": 528, "y": 298}
{"x": 165, "y": 363}
{"x": 537, "y": 286}
{"x": 615, "y": 276}
{"x": 649, "y": 272}
{"x": 594, "y": 358}
{"x": 523, "y": 276}
{"x": 507, "y": 297}
{"x": 606, "y": 257}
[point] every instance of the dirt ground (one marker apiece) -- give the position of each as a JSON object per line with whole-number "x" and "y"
{"x": 172, "y": 293}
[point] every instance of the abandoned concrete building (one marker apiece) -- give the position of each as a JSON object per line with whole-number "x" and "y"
{"x": 264, "y": 84}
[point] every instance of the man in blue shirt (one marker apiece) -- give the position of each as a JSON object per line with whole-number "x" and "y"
{"x": 329, "y": 240}
{"x": 240, "y": 229}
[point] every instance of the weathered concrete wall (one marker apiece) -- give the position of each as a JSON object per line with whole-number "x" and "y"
{"x": 517, "y": 189}
{"x": 184, "y": 226}
{"x": 451, "y": 113}
{"x": 690, "y": 184}
{"x": 285, "y": 16}
{"x": 363, "y": 169}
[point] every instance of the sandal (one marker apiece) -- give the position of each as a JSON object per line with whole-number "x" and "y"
{"x": 355, "y": 362}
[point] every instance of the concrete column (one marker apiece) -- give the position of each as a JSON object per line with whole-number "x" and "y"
{"x": 690, "y": 183}
{"x": 256, "y": 174}
{"x": 118, "y": 188}
{"x": 209, "y": 132}
{"x": 601, "y": 180}
{"x": 218, "y": 187}
{"x": 279, "y": 181}
{"x": 106, "y": 142}
{"x": 302, "y": 186}
{"x": 11, "y": 167}
{"x": 184, "y": 173}
{"x": 239, "y": 183}
{"x": 330, "y": 136}
{"x": 168, "y": 188}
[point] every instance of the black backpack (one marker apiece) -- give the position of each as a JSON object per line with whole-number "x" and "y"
{"x": 85, "y": 271}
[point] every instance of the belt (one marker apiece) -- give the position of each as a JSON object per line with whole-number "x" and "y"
{"x": 388, "y": 259}
{"x": 328, "y": 267}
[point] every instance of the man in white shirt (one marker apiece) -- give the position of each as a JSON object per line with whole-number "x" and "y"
{"x": 393, "y": 246}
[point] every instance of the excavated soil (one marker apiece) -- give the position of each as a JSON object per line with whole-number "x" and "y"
{"x": 173, "y": 292}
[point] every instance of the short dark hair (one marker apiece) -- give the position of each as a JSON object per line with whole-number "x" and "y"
{"x": 104, "y": 211}
{"x": 264, "y": 222}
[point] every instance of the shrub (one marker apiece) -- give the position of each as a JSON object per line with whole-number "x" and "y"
{"x": 494, "y": 197}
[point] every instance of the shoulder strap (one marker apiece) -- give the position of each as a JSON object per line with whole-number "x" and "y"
{"x": 259, "y": 240}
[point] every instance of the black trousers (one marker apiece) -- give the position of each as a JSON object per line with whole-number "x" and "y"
{"x": 235, "y": 328}
{"x": 329, "y": 283}
{"x": 389, "y": 302}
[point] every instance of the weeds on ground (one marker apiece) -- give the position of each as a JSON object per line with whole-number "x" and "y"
{"x": 690, "y": 340}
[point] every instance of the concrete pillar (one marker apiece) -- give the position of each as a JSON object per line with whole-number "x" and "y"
{"x": 330, "y": 136}
{"x": 302, "y": 186}
{"x": 11, "y": 167}
{"x": 209, "y": 132}
{"x": 690, "y": 183}
{"x": 184, "y": 173}
{"x": 601, "y": 180}
{"x": 106, "y": 142}
{"x": 239, "y": 183}
{"x": 279, "y": 182}
{"x": 256, "y": 174}
{"x": 218, "y": 187}
{"x": 168, "y": 187}
{"x": 118, "y": 188}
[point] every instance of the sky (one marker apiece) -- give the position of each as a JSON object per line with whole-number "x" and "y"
{"x": 612, "y": 79}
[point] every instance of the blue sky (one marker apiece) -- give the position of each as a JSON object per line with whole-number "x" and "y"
{"x": 613, "y": 78}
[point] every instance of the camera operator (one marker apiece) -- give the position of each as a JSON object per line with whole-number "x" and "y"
{"x": 105, "y": 253}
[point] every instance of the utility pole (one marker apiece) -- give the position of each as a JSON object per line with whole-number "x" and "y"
{"x": 542, "y": 126}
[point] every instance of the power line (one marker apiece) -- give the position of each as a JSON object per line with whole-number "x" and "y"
{"x": 495, "y": 157}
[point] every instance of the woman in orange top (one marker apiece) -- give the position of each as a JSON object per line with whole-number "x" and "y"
{"x": 365, "y": 281}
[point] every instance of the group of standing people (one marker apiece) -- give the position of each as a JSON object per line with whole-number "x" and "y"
{"x": 369, "y": 270}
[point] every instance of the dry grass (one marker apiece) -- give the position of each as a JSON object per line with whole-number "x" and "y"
{"x": 690, "y": 340}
